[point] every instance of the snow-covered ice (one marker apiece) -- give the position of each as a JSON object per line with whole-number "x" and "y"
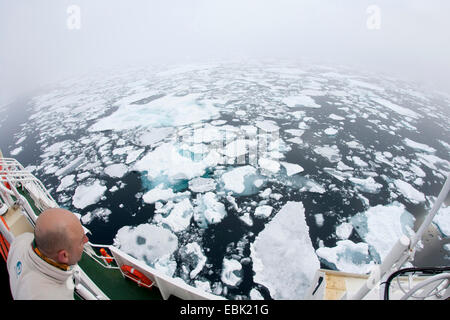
{"x": 231, "y": 272}
{"x": 87, "y": 194}
{"x": 381, "y": 227}
{"x": 347, "y": 256}
{"x": 235, "y": 179}
{"x": 117, "y": 170}
{"x": 409, "y": 192}
{"x": 150, "y": 243}
{"x": 285, "y": 238}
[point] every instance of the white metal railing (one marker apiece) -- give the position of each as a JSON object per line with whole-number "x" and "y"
{"x": 403, "y": 250}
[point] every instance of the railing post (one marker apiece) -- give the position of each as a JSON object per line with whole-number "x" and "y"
{"x": 379, "y": 271}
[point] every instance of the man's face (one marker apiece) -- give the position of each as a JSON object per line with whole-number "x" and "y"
{"x": 79, "y": 239}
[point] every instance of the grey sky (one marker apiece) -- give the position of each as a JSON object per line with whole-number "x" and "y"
{"x": 37, "y": 47}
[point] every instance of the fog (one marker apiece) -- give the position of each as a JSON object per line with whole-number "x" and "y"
{"x": 44, "y": 41}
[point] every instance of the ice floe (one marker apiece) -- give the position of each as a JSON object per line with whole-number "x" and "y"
{"x": 150, "y": 243}
{"x": 235, "y": 179}
{"x": 347, "y": 256}
{"x": 409, "y": 192}
{"x": 116, "y": 170}
{"x": 87, "y": 194}
{"x": 300, "y": 101}
{"x": 391, "y": 221}
{"x": 285, "y": 238}
{"x": 208, "y": 209}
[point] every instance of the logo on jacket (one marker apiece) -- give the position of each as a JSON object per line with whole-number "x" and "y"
{"x": 18, "y": 268}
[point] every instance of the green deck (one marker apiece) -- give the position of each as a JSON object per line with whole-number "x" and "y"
{"x": 114, "y": 285}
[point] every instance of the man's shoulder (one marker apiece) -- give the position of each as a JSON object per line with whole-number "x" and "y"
{"x": 24, "y": 237}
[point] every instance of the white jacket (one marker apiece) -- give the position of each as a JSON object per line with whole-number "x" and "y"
{"x": 31, "y": 278}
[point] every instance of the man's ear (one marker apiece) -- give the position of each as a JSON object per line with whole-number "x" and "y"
{"x": 63, "y": 256}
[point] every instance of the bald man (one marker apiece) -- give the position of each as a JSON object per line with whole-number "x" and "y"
{"x": 41, "y": 266}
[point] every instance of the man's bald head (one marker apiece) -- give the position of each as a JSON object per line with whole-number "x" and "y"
{"x": 59, "y": 230}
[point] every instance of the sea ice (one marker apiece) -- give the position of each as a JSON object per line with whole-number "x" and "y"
{"x": 117, "y": 170}
{"x": 263, "y": 211}
{"x": 235, "y": 179}
{"x": 231, "y": 272}
{"x": 87, "y": 194}
{"x": 291, "y": 168}
{"x": 418, "y": 146}
{"x": 208, "y": 209}
{"x": 347, "y": 256}
{"x": 66, "y": 182}
{"x": 150, "y": 243}
{"x": 396, "y": 108}
{"x": 381, "y": 227}
{"x": 166, "y": 160}
{"x": 193, "y": 257}
{"x": 366, "y": 185}
{"x": 301, "y": 100}
{"x": 267, "y": 126}
{"x": 344, "y": 230}
{"x": 202, "y": 184}
{"x": 285, "y": 238}
{"x": 269, "y": 165}
{"x": 99, "y": 213}
{"x": 409, "y": 192}
{"x": 179, "y": 217}
{"x": 16, "y": 151}
{"x": 331, "y": 153}
{"x": 319, "y": 219}
{"x": 442, "y": 220}
{"x": 330, "y": 131}
{"x": 167, "y": 111}
{"x": 158, "y": 193}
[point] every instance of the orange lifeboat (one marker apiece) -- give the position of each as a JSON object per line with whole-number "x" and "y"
{"x": 136, "y": 276}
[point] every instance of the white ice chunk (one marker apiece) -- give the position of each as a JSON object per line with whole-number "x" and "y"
{"x": 263, "y": 211}
{"x": 418, "y": 146}
{"x": 442, "y": 220}
{"x": 16, "y": 151}
{"x": 336, "y": 117}
{"x": 330, "y": 131}
{"x": 292, "y": 168}
{"x": 154, "y": 135}
{"x": 150, "y": 243}
{"x": 166, "y": 160}
{"x": 231, "y": 272}
{"x": 209, "y": 210}
{"x": 319, "y": 219}
{"x": 193, "y": 257}
{"x": 202, "y": 184}
{"x": 396, "y": 108}
{"x": 180, "y": 216}
{"x": 88, "y": 194}
{"x": 267, "y": 125}
{"x": 269, "y": 165}
{"x": 381, "y": 226}
{"x": 366, "y": 185}
{"x": 66, "y": 182}
{"x": 158, "y": 193}
{"x": 117, "y": 170}
{"x": 409, "y": 192}
{"x": 301, "y": 100}
{"x": 168, "y": 111}
{"x": 347, "y": 256}
{"x": 331, "y": 153}
{"x": 234, "y": 179}
{"x": 99, "y": 213}
{"x": 285, "y": 238}
{"x": 344, "y": 230}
